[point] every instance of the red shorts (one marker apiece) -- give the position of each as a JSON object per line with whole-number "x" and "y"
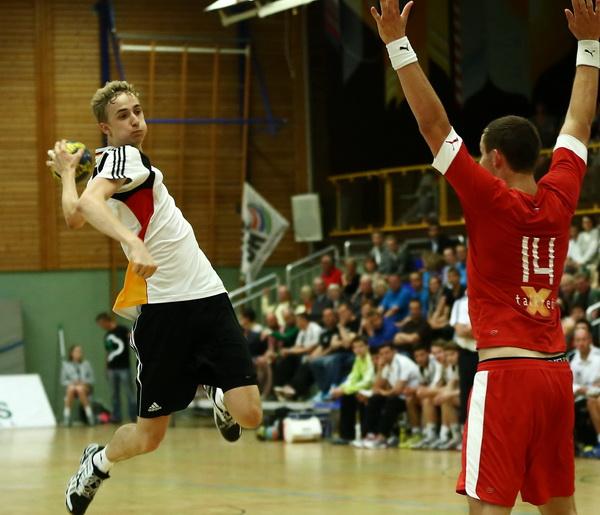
{"x": 519, "y": 433}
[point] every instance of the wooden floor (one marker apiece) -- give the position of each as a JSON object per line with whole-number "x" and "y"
{"x": 195, "y": 472}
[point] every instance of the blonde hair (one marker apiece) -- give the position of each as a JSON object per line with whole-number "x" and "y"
{"x": 107, "y": 94}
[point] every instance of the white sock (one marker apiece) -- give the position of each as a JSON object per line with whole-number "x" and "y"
{"x": 430, "y": 430}
{"x": 455, "y": 430}
{"x": 89, "y": 414}
{"x": 67, "y": 414}
{"x": 415, "y": 431}
{"x": 444, "y": 432}
{"x": 102, "y": 462}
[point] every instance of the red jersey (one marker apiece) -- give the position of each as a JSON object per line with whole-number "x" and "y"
{"x": 517, "y": 245}
{"x": 333, "y": 277}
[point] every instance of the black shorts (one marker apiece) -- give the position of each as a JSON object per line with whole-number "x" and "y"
{"x": 180, "y": 345}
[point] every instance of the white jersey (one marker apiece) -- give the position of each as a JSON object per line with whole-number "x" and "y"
{"x": 432, "y": 373}
{"x": 145, "y": 207}
{"x": 309, "y": 336}
{"x": 402, "y": 369}
{"x": 586, "y": 372}
{"x": 450, "y": 374}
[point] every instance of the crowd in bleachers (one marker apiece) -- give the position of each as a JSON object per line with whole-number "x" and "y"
{"x": 388, "y": 337}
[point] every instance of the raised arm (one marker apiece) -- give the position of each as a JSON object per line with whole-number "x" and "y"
{"x": 584, "y": 23}
{"x": 422, "y": 99}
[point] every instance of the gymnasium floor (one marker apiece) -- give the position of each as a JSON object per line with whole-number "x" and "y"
{"x": 195, "y": 472}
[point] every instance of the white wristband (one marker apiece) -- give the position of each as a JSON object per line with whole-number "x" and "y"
{"x": 588, "y": 53}
{"x": 401, "y": 53}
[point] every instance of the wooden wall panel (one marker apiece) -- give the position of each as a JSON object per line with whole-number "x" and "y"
{"x": 276, "y": 163}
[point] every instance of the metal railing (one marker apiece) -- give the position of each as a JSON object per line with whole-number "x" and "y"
{"x": 304, "y": 270}
{"x": 251, "y": 294}
{"x": 402, "y": 198}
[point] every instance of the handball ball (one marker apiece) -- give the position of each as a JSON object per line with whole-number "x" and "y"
{"x": 85, "y": 166}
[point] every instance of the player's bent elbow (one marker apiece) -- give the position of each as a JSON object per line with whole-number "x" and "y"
{"x": 75, "y": 221}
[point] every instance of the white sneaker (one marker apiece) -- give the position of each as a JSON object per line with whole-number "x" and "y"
{"x": 450, "y": 444}
{"x": 425, "y": 443}
{"x": 229, "y": 428}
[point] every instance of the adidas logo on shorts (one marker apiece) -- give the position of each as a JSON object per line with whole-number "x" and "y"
{"x": 154, "y": 407}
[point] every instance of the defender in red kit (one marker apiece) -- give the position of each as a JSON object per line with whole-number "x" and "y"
{"x": 519, "y": 432}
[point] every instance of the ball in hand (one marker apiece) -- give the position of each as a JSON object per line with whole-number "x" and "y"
{"x": 85, "y": 166}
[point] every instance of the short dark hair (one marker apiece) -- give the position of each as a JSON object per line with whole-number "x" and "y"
{"x": 421, "y": 346}
{"x": 249, "y": 313}
{"x": 103, "y": 316}
{"x": 386, "y": 344}
{"x": 517, "y": 138}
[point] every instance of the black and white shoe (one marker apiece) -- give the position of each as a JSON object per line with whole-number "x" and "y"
{"x": 82, "y": 487}
{"x": 229, "y": 428}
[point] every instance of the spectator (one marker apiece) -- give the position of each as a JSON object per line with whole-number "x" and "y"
{"x": 568, "y": 323}
{"x": 293, "y": 374}
{"x": 454, "y": 290}
{"x": 360, "y": 379}
{"x": 395, "y": 301}
{"x": 118, "y": 369}
{"x": 413, "y": 330}
{"x": 329, "y": 273}
{"x": 283, "y": 304}
{"x": 377, "y": 249}
{"x": 321, "y": 301}
{"x": 363, "y": 294}
{"x": 585, "y": 295}
{"x": 427, "y": 372}
{"x": 451, "y": 262}
{"x": 433, "y": 264}
{"x": 350, "y": 278}
{"x": 394, "y": 260}
{"x": 467, "y": 358}
{"x": 461, "y": 262}
{"x": 438, "y": 242}
{"x": 286, "y": 337}
{"x": 431, "y": 386}
{"x": 334, "y": 294}
{"x": 448, "y": 400}
{"x": 77, "y": 377}
{"x": 289, "y": 357}
{"x": 418, "y": 290}
{"x": 585, "y": 366}
{"x": 378, "y": 329}
{"x": 573, "y": 254}
{"x": 587, "y": 242}
{"x": 258, "y": 346}
{"x": 371, "y": 269}
{"x": 380, "y": 288}
{"x": 566, "y": 294}
{"x": 397, "y": 375}
{"x": 307, "y": 299}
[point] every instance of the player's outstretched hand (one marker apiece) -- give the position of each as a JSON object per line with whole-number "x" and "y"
{"x": 141, "y": 260}
{"x": 61, "y": 160}
{"x": 584, "y": 19}
{"x": 391, "y": 24}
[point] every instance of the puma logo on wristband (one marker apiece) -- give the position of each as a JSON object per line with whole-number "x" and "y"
{"x": 404, "y": 48}
{"x": 452, "y": 142}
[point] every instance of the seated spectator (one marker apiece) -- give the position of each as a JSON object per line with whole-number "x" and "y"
{"x": 334, "y": 294}
{"x": 454, "y": 290}
{"x": 394, "y": 260}
{"x": 378, "y": 329}
{"x": 413, "y": 330}
{"x": 362, "y": 294}
{"x": 350, "y": 278}
{"x": 432, "y": 383}
{"x": 77, "y": 377}
{"x": 573, "y": 254}
{"x": 448, "y": 399}
{"x": 468, "y": 358}
{"x": 433, "y": 264}
{"x": 587, "y": 242}
{"x": 427, "y": 372}
{"x": 566, "y": 294}
{"x": 321, "y": 301}
{"x": 329, "y": 273}
{"x": 284, "y": 303}
{"x": 371, "y": 269}
{"x": 568, "y": 323}
{"x": 377, "y": 249}
{"x": 286, "y": 337}
{"x": 258, "y": 346}
{"x": 332, "y": 359}
{"x": 439, "y": 318}
{"x": 380, "y": 288}
{"x": 395, "y": 301}
{"x": 451, "y": 263}
{"x": 360, "y": 378}
{"x": 396, "y": 376}
{"x": 585, "y": 366}
{"x": 434, "y": 293}
{"x": 585, "y": 295}
{"x": 292, "y": 374}
{"x": 307, "y": 299}
{"x": 461, "y": 260}
{"x": 418, "y": 290}
{"x": 438, "y": 242}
